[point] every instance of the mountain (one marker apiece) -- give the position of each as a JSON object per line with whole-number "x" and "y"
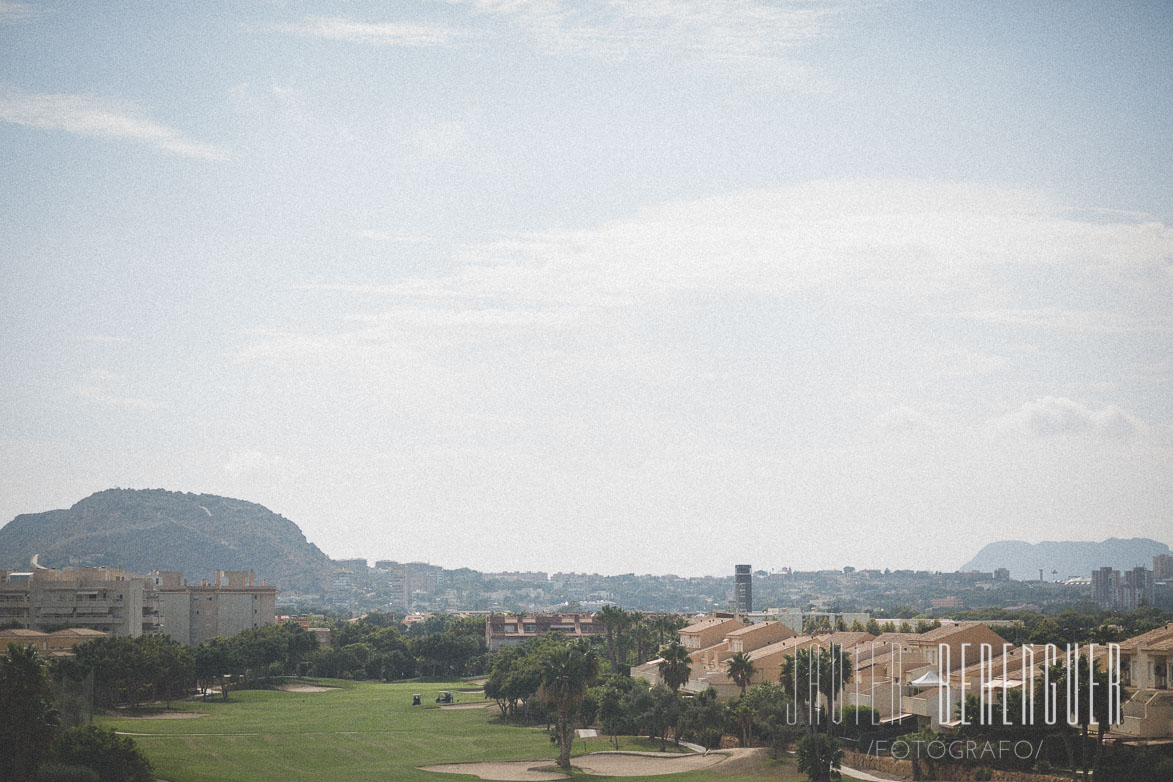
{"x": 153, "y": 529}
{"x": 1066, "y": 558}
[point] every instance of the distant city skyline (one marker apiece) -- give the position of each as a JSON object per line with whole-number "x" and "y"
{"x": 630, "y": 287}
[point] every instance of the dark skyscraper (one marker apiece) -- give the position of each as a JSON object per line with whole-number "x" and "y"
{"x": 743, "y": 588}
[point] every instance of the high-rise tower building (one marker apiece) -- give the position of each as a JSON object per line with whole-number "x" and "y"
{"x": 743, "y": 588}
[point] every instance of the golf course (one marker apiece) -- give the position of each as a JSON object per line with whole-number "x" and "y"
{"x": 355, "y": 731}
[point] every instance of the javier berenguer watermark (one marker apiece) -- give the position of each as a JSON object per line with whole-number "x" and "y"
{"x": 978, "y": 684}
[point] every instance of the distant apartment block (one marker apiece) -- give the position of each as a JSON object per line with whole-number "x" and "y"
{"x": 106, "y": 599}
{"x": 1163, "y": 567}
{"x": 233, "y": 602}
{"x": 524, "y": 576}
{"x": 410, "y": 581}
{"x": 743, "y": 588}
{"x": 1114, "y": 591}
{"x": 503, "y": 631}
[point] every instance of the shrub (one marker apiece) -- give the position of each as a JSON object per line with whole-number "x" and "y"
{"x": 115, "y": 758}
{"x": 58, "y": 772}
{"x": 818, "y": 757}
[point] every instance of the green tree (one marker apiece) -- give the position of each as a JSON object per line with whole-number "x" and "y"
{"x": 815, "y": 671}
{"x": 115, "y": 758}
{"x": 798, "y": 681}
{"x": 614, "y": 620}
{"x": 661, "y": 714}
{"x": 566, "y": 674}
{"x": 1078, "y": 680}
{"x": 28, "y": 720}
{"x": 740, "y": 669}
{"x": 675, "y": 665}
{"x": 772, "y": 718}
{"x": 703, "y": 719}
{"x": 613, "y": 717}
{"x": 819, "y": 757}
{"x": 216, "y": 662}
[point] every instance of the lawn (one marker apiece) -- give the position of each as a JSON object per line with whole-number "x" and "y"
{"x": 359, "y": 731}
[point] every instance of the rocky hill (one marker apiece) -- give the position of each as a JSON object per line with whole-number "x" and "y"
{"x": 1065, "y": 558}
{"x": 144, "y": 530}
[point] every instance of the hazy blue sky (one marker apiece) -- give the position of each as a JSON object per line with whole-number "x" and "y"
{"x": 652, "y": 286}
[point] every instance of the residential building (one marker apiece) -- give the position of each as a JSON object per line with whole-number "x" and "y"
{"x": 502, "y": 631}
{"x": 1116, "y": 592}
{"x": 106, "y": 599}
{"x": 1146, "y": 670}
{"x": 232, "y": 603}
{"x": 59, "y": 643}
{"x": 1163, "y": 567}
{"x": 411, "y": 582}
{"x": 707, "y": 631}
{"x": 899, "y": 674}
{"x": 767, "y": 661}
{"x": 744, "y": 639}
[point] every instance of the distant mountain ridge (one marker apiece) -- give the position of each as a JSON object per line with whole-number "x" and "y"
{"x": 1065, "y": 558}
{"x": 154, "y": 529}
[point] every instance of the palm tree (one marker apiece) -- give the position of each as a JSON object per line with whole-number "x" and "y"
{"x": 665, "y": 626}
{"x": 566, "y": 674}
{"x": 675, "y": 665}
{"x": 28, "y": 720}
{"x": 740, "y": 669}
{"x": 834, "y": 671}
{"x": 1086, "y": 708}
{"x": 614, "y": 619}
{"x": 815, "y": 671}
{"x": 643, "y": 635}
{"x": 797, "y": 679}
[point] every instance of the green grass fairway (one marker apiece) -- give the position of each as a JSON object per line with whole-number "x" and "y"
{"x": 360, "y": 731}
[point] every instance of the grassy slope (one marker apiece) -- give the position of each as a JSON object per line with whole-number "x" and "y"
{"x": 361, "y": 731}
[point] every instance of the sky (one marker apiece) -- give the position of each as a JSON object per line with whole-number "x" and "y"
{"x": 596, "y": 285}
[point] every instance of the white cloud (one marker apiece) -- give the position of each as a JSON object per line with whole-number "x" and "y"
{"x": 383, "y": 235}
{"x": 11, "y": 11}
{"x": 97, "y": 394}
{"x": 251, "y": 465}
{"x": 734, "y": 30}
{"x": 1054, "y": 416}
{"x": 87, "y": 116}
{"x": 901, "y": 419}
{"x": 486, "y": 317}
{"x": 909, "y": 247}
{"x": 109, "y": 388}
{"x": 1073, "y": 320}
{"x": 753, "y": 34}
{"x": 407, "y": 34}
{"x": 103, "y": 338}
{"x": 894, "y": 241}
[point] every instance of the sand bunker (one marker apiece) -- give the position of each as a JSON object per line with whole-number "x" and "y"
{"x": 607, "y": 764}
{"x": 458, "y": 706}
{"x": 164, "y": 715}
{"x": 617, "y": 764}
{"x": 520, "y": 770}
{"x": 304, "y": 688}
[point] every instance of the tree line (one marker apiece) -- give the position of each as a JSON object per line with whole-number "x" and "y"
{"x": 34, "y": 744}
{"x": 569, "y": 684}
